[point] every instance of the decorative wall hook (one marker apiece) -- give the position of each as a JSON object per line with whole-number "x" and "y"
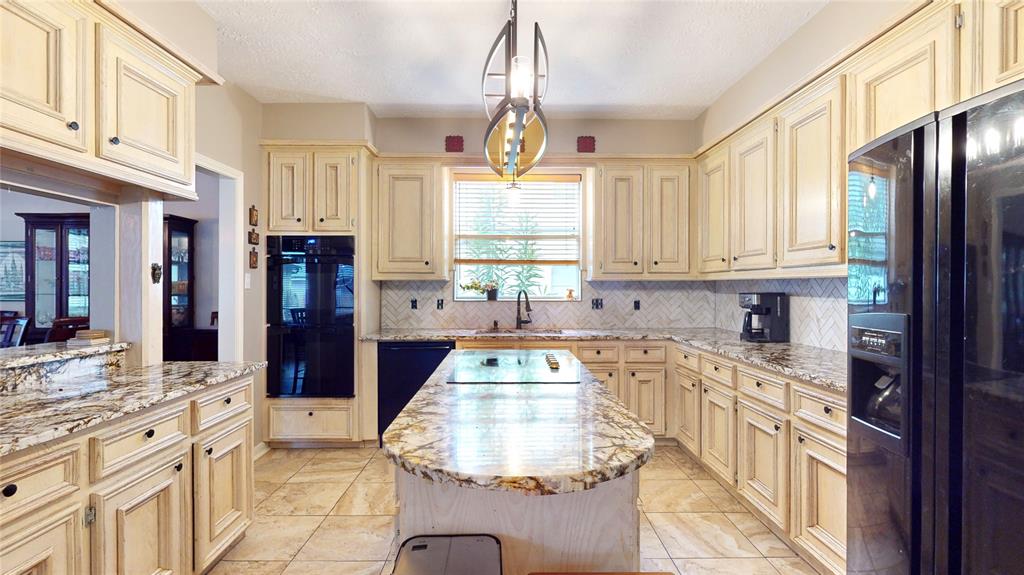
{"x": 156, "y": 272}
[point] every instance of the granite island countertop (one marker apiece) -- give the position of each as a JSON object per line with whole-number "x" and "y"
{"x": 533, "y": 439}
{"x": 26, "y": 355}
{"x": 813, "y": 365}
{"x": 31, "y": 416}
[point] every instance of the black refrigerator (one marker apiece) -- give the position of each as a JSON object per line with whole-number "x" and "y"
{"x": 310, "y": 308}
{"x": 935, "y": 449}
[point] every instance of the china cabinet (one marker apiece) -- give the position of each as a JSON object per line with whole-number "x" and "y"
{"x": 56, "y": 269}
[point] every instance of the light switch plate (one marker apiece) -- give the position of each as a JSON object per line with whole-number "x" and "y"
{"x": 248, "y": 280}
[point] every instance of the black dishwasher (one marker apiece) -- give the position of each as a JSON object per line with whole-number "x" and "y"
{"x": 402, "y": 369}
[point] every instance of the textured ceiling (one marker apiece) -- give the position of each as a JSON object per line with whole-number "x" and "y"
{"x": 609, "y": 59}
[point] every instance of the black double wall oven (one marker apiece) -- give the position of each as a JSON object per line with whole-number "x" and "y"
{"x": 310, "y": 305}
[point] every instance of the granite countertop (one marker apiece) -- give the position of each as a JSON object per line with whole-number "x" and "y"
{"x": 813, "y": 365}
{"x": 533, "y": 439}
{"x": 32, "y": 416}
{"x": 26, "y": 355}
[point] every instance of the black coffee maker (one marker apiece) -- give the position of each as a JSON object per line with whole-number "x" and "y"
{"x": 767, "y": 317}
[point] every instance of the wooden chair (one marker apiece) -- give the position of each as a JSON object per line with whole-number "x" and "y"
{"x": 13, "y": 332}
{"x": 64, "y": 328}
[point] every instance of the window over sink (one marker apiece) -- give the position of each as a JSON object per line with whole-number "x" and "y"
{"x": 525, "y": 235}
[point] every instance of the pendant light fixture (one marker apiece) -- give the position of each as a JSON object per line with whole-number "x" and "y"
{"x": 513, "y": 90}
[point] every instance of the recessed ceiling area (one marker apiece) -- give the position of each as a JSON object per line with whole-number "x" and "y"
{"x": 609, "y": 59}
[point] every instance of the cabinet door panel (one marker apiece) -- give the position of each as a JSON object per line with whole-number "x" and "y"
{"x": 647, "y": 397}
{"x": 611, "y": 377}
{"x": 621, "y": 221}
{"x": 687, "y": 410}
{"x": 288, "y": 184}
{"x": 813, "y": 177}
{"x": 43, "y": 58}
{"x": 1002, "y": 42}
{"x": 762, "y": 464}
{"x": 223, "y": 491}
{"x": 142, "y": 522}
{"x": 668, "y": 218}
{"x": 903, "y": 76}
{"x": 752, "y": 175}
{"x": 407, "y": 204}
{"x": 334, "y": 192}
{"x": 712, "y": 211}
{"x": 43, "y": 544}
{"x": 146, "y": 107}
{"x": 819, "y": 493}
{"x": 718, "y": 432}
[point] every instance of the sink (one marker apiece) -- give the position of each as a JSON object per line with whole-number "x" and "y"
{"x": 513, "y": 331}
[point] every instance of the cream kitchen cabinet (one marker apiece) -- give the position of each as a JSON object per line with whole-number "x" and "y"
{"x": 666, "y": 221}
{"x": 408, "y": 223}
{"x": 619, "y": 231}
{"x": 688, "y": 407}
{"x": 645, "y": 388}
{"x": 1001, "y": 36}
{"x": 611, "y": 377}
{"x": 762, "y": 466}
{"x": 288, "y": 179}
{"x": 819, "y": 492}
{"x": 812, "y": 176}
{"x": 142, "y": 521}
{"x": 312, "y": 189}
{"x": 335, "y": 189}
{"x": 718, "y": 431}
{"x": 47, "y": 544}
{"x": 44, "y": 87}
{"x": 310, "y": 420}
{"x": 223, "y": 491}
{"x": 909, "y": 72}
{"x": 752, "y": 197}
{"x": 713, "y": 210}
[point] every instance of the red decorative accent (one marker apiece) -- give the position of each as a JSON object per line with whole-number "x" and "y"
{"x": 586, "y": 144}
{"x": 453, "y": 144}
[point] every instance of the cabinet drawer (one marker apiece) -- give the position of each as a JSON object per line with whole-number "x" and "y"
{"x": 484, "y": 344}
{"x": 122, "y": 446}
{"x": 686, "y": 358}
{"x": 819, "y": 409}
{"x": 569, "y": 346}
{"x": 38, "y": 481}
{"x": 717, "y": 369}
{"x": 645, "y": 353}
{"x": 221, "y": 405}
{"x": 328, "y": 422}
{"x": 598, "y": 352}
{"x": 759, "y": 386}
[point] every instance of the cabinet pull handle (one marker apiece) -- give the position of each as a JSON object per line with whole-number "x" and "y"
{"x": 636, "y": 263}
{"x": 427, "y": 263}
{"x": 715, "y": 367}
{"x": 227, "y": 400}
{"x": 298, "y": 219}
{"x": 179, "y": 467}
{"x": 705, "y": 390}
{"x": 828, "y": 410}
{"x": 115, "y": 140}
{"x": 758, "y": 384}
{"x": 632, "y": 374}
{"x": 723, "y": 260}
{"x": 777, "y": 427}
{"x": 598, "y": 352}
{"x": 610, "y": 374}
{"x": 10, "y": 490}
{"x": 321, "y": 220}
{"x": 310, "y": 414}
{"x": 655, "y": 262}
{"x": 735, "y": 258}
{"x": 831, "y": 247}
{"x": 149, "y": 433}
{"x": 800, "y": 439}
{"x": 73, "y": 126}
{"x": 209, "y": 451}
{"x": 645, "y": 352}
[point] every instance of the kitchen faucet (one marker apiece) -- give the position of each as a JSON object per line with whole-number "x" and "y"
{"x": 519, "y": 310}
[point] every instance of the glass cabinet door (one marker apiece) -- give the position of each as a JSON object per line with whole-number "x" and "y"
{"x": 45, "y": 263}
{"x": 180, "y": 278}
{"x": 77, "y": 284}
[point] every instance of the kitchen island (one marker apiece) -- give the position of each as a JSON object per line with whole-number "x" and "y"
{"x": 548, "y": 468}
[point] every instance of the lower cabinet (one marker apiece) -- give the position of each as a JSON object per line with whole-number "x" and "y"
{"x": 645, "y": 388}
{"x": 45, "y": 545}
{"x": 223, "y": 490}
{"x": 142, "y": 521}
{"x": 687, "y": 412}
{"x": 718, "y": 431}
{"x": 611, "y": 377}
{"x": 310, "y": 420}
{"x": 762, "y": 466}
{"x": 819, "y": 509}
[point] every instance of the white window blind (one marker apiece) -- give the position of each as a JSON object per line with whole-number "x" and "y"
{"x": 500, "y": 231}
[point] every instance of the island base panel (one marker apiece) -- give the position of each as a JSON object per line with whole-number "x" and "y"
{"x": 593, "y": 530}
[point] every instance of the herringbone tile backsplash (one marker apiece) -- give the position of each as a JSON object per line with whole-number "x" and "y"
{"x": 817, "y": 307}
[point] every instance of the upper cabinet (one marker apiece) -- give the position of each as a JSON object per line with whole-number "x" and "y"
{"x": 145, "y": 106}
{"x": 44, "y": 57}
{"x": 998, "y": 27}
{"x": 82, "y": 89}
{"x": 713, "y": 210}
{"x": 752, "y": 197}
{"x": 812, "y": 176}
{"x": 408, "y": 222}
{"x": 620, "y": 220}
{"x": 312, "y": 189}
{"x": 907, "y": 73}
{"x": 667, "y": 217}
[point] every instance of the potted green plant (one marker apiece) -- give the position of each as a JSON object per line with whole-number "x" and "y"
{"x": 490, "y": 289}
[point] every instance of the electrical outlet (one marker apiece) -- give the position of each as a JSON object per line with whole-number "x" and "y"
{"x": 412, "y": 303}
{"x": 440, "y": 303}
{"x": 597, "y": 303}
{"x": 636, "y": 305}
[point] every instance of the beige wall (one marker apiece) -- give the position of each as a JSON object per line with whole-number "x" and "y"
{"x": 840, "y": 27}
{"x": 183, "y": 25}
{"x": 426, "y": 135}
{"x": 228, "y": 130}
{"x": 317, "y": 122}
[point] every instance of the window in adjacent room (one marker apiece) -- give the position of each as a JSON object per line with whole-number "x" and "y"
{"x": 525, "y": 236}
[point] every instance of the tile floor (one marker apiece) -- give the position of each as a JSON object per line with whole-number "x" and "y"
{"x": 331, "y": 512}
